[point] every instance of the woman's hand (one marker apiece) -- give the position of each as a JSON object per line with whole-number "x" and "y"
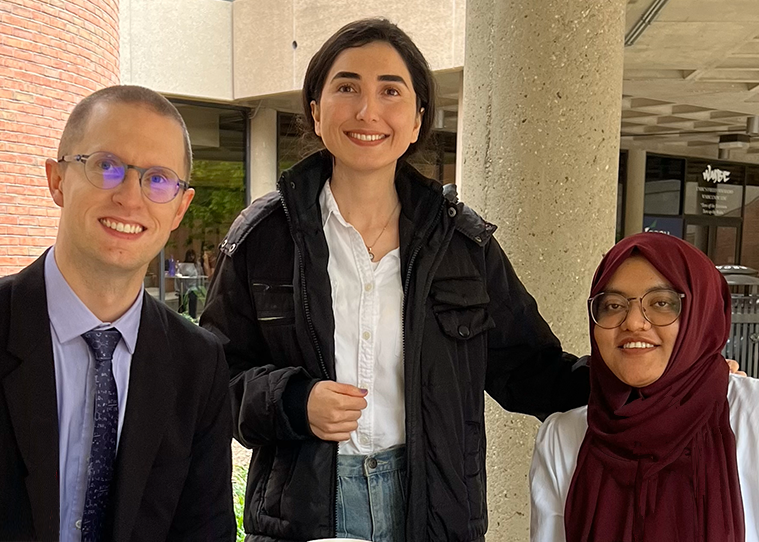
{"x": 734, "y": 367}
{"x": 334, "y": 410}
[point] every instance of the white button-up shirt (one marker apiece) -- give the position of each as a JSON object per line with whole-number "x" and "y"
{"x": 558, "y": 444}
{"x": 367, "y": 301}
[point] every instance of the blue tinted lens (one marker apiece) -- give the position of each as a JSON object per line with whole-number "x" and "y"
{"x": 106, "y": 170}
{"x": 112, "y": 176}
{"x": 160, "y": 184}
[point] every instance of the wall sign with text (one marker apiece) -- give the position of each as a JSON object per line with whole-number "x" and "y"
{"x": 714, "y": 188}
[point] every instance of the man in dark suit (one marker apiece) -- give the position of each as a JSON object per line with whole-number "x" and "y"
{"x": 114, "y": 413}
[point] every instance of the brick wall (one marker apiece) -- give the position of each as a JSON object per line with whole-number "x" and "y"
{"x": 52, "y": 54}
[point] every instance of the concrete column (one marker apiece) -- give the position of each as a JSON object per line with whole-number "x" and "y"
{"x": 542, "y": 103}
{"x": 460, "y": 136}
{"x": 635, "y": 191}
{"x": 263, "y": 152}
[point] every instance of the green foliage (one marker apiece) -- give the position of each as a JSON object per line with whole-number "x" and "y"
{"x": 239, "y": 477}
{"x": 186, "y": 316}
{"x": 219, "y": 198}
{"x": 217, "y": 173}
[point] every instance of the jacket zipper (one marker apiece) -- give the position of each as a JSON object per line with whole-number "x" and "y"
{"x": 304, "y": 293}
{"x": 407, "y": 281}
{"x": 311, "y": 329}
{"x": 406, "y": 285}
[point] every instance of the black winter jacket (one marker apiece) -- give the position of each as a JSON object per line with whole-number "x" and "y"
{"x": 468, "y": 326}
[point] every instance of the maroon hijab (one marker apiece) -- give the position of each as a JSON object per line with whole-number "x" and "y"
{"x": 658, "y": 463}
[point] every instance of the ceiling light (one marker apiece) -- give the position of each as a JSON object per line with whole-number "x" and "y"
{"x": 439, "y": 123}
{"x": 734, "y": 141}
{"x": 752, "y": 125}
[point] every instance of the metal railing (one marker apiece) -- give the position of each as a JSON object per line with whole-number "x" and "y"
{"x": 743, "y": 344}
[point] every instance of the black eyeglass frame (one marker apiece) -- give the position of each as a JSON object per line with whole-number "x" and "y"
{"x": 629, "y": 306}
{"x": 82, "y": 159}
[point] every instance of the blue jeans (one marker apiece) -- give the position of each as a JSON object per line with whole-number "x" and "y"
{"x": 371, "y": 495}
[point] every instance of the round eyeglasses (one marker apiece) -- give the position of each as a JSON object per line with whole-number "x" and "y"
{"x": 105, "y": 171}
{"x": 661, "y": 307}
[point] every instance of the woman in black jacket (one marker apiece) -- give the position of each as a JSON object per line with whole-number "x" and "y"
{"x": 364, "y": 311}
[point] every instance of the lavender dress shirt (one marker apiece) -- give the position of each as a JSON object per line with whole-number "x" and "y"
{"x": 75, "y": 386}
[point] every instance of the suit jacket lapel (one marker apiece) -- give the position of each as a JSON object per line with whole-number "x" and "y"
{"x": 144, "y": 422}
{"x": 32, "y": 399}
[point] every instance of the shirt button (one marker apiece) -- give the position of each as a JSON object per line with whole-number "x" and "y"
{"x": 366, "y": 335}
{"x": 78, "y": 524}
{"x": 369, "y": 287}
{"x": 364, "y": 440}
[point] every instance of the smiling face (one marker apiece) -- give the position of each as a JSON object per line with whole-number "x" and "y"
{"x": 636, "y": 351}
{"x": 118, "y": 230}
{"x": 367, "y": 115}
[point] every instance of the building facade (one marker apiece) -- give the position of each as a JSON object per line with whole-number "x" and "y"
{"x": 711, "y": 203}
{"x": 52, "y": 54}
{"x": 530, "y": 131}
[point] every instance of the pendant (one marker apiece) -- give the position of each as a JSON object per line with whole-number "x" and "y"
{"x": 371, "y": 254}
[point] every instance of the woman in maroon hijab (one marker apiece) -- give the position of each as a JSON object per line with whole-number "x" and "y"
{"x": 665, "y": 449}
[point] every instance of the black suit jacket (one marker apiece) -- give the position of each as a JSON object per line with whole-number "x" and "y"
{"x": 173, "y": 466}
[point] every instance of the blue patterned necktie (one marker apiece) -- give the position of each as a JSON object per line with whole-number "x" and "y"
{"x": 106, "y": 422}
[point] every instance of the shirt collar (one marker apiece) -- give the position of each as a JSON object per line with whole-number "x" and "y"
{"x": 329, "y": 206}
{"x": 70, "y": 317}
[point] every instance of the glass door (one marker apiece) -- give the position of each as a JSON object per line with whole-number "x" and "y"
{"x": 725, "y": 250}
{"x": 718, "y": 238}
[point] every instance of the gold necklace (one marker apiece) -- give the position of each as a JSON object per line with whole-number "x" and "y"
{"x": 369, "y": 248}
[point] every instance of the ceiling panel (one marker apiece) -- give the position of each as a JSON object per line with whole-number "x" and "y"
{"x": 687, "y": 46}
{"x": 709, "y": 10}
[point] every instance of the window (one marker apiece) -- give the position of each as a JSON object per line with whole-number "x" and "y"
{"x": 664, "y": 179}
{"x": 621, "y": 187}
{"x": 750, "y": 237}
{"x": 179, "y": 275}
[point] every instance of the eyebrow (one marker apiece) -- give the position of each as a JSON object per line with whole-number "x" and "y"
{"x": 346, "y": 75}
{"x": 354, "y": 75}
{"x": 661, "y": 286}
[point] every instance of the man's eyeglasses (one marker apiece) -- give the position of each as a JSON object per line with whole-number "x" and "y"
{"x": 661, "y": 307}
{"x": 105, "y": 170}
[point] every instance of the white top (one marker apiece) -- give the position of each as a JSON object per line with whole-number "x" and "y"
{"x": 367, "y": 301}
{"x": 560, "y": 437}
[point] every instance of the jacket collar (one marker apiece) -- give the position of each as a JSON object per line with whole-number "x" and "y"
{"x": 301, "y": 185}
{"x": 31, "y": 394}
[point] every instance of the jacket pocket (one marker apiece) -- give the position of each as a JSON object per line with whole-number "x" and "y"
{"x": 458, "y": 344}
{"x": 459, "y": 292}
{"x": 259, "y": 471}
{"x": 274, "y": 303}
{"x": 279, "y": 478}
{"x": 465, "y": 323}
{"x": 460, "y": 307}
{"x": 474, "y": 469}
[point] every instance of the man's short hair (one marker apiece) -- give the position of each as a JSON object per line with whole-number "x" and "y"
{"x": 73, "y": 132}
